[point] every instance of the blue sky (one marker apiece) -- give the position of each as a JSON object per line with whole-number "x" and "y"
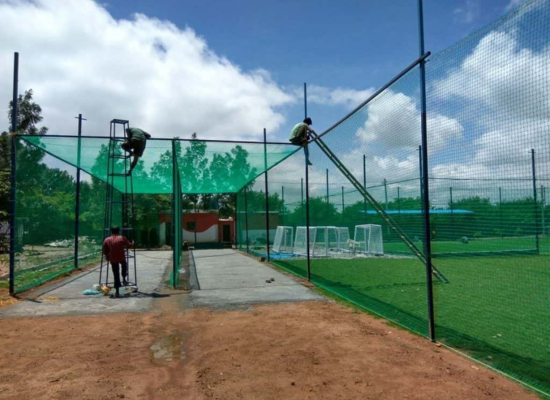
{"x": 228, "y": 69}
{"x": 350, "y": 44}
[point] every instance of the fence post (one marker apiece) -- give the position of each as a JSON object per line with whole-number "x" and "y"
{"x": 12, "y": 169}
{"x": 343, "y": 204}
{"x": 266, "y": 196}
{"x": 386, "y": 201}
{"x": 307, "y": 197}
{"x": 535, "y": 203}
{"x": 500, "y": 212}
{"x": 327, "y": 188}
{"x": 425, "y": 180}
{"x": 543, "y": 205}
{"x": 283, "y": 200}
{"x": 365, "y": 183}
{"x": 77, "y": 197}
{"x": 246, "y": 219}
{"x": 236, "y": 222}
{"x": 302, "y": 194}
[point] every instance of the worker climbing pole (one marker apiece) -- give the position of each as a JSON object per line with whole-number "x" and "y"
{"x": 119, "y": 202}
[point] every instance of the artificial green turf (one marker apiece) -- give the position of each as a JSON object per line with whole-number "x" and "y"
{"x": 477, "y": 245}
{"x": 496, "y": 308}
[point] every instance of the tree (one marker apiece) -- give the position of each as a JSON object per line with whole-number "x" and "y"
{"x": 28, "y": 157}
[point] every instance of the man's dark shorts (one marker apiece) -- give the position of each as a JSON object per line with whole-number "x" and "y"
{"x": 139, "y": 147}
{"x": 297, "y": 141}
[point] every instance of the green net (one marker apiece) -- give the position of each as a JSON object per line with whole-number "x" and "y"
{"x": 91, "y": 215}
{"x": 205, "y": 167}
{"x": 489, "y": 167}
{"x": 44, "y": 224}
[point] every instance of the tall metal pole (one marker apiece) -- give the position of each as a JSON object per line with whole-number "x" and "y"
{"x": 425, "y": 181}
{"x": 302, "y": 203}
{"x": 365, "y": 184}
{"x": 307, "y": 196}
{"x": 327, "y": 187}
{"x": 246, "y": 219}
{"x": 386, "y": 193}
{"x": 283, "y": 200}
{"x": 12, "y": 170}
{"x": 500, "y": 209}
{"x": 77, "y": 197}
{"x": 386, "y": 197}
{"x": 343, "y": 204}
{"x": 266, "y": 196}
{"x": 536, "y": 213}
{"x": 543, "y": 205}
{"x": 236, "y": 229}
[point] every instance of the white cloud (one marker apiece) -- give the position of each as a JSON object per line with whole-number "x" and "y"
{"x": 501, "y": 75}
{"x": 393, "y": 121}
{"x": 349, "y": 98}
{"x": 467, "y": 13}
{"x": 513, "y": 4}
{"x": 78, "y": 58}
{"x": 500, "y": 90}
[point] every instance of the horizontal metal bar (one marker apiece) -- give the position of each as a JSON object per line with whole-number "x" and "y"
{"x": 163, "y": 139}
{"x": 376, "y": 94}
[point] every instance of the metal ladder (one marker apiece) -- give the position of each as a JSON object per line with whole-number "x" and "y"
{"x": 381, "y": 212}
{"x": 118, "y": 165}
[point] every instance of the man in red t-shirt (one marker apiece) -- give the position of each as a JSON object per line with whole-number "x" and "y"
{"x": 114, "y": 249}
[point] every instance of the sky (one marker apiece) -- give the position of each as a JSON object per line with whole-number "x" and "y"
{"x": 223, "y": 69}
{"x": 229, "y": 69}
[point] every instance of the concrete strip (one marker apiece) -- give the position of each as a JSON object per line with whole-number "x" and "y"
{"x": 66, "y": 298}
{"x": 229, "y": 278}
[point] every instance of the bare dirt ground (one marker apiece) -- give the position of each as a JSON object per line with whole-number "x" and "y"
{"x": 282, "y": 351}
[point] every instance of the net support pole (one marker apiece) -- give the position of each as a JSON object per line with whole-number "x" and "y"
{"x": 266, "y": 197}
{"x": 425, "y": 180}
{"x": 175, "y": 217}
{"x": 543, "y": 205}
{"x": 535, "y": 201}
{"x": 307, "y": 196}
{"x": 500, "y": 211}
{"x": 12, "y": 169}
{"x": 246, "y": 219}
{"x": 236, "y": 222}
{"x": 77, "y": 195}
{"x": 343, "y": 204}
{"x": 365, "y": 184}
{"x": 302, "y": 198}
{"x": 386, "y": 200}
{"x": 327, "y": 187}
{"x": 283, "y": 200}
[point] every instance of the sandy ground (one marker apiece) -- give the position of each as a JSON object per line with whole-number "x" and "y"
{"x": 315, "y": 350}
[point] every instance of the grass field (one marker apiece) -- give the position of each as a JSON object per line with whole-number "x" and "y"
{"x": 495, "y": 307}
{"x": 478, "y": 245}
